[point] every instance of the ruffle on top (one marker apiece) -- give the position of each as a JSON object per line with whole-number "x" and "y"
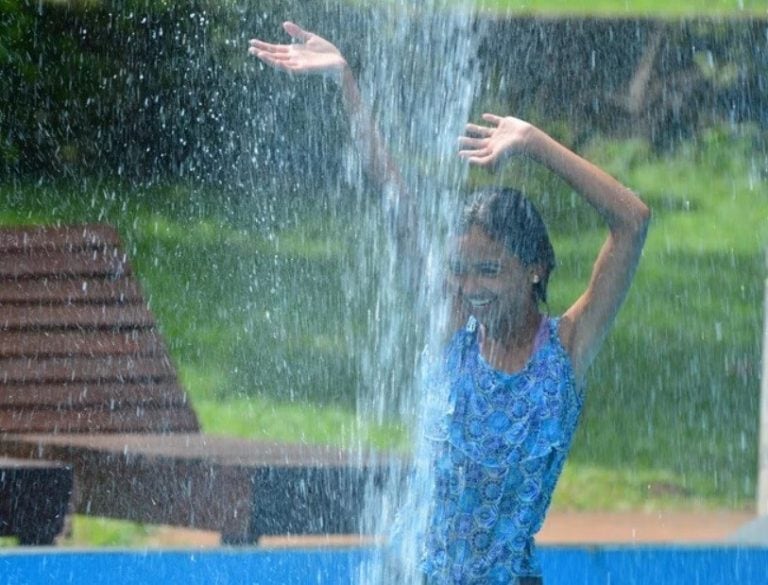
{"x": 499, "y": 419}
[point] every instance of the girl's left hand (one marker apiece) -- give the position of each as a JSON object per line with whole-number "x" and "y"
{"x": 487, "y": 145}
{"x": 310, "y": 54}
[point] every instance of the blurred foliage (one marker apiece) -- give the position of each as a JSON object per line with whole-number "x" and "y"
{"x": 150, "y": 90}
{"x": 664, "y": 82}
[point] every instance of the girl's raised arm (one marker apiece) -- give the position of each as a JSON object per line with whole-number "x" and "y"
{"x": 588, "y": 320}
{"x": 312, "y": 54}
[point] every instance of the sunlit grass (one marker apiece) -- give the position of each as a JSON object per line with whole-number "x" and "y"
{"x": 546, "y": 7}
{"x": 272, "y": 420}
{"x": 107, "y": 532}
{"x": 627, "y": 7}
{"x": 599, "y": 8}
{"x": 622, "y": 490}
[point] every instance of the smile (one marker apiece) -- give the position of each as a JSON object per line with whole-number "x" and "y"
{"x": 479, "y": 303}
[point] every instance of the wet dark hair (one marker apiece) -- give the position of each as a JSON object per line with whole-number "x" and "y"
{"x": 509, "y": 217}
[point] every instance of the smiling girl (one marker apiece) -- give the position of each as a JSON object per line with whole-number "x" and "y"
{"x": 514, "y": 375}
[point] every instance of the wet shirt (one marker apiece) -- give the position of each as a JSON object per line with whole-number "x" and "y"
{"x": 499, "y": 445}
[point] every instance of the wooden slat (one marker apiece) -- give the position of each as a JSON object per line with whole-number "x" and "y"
{"x": 79, "y": 317}
{"x": 7, "y": 463}
{"x": 77, "y": 290}
{"x": 109, "y": 262}
{"x": 21, "y": 343}
{"x": 50, "y": 370}
{"x": 93, "y": 420}
{"x": 150, "y": 394}
{"x": 23, "y": 238}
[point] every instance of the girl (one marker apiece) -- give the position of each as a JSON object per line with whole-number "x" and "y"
{"x": 514, "y": 376}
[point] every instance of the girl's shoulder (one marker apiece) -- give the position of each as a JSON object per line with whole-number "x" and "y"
{"x": 564, "y": 327}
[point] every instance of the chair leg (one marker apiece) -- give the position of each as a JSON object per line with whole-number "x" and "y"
{"x": 36, "y": 500}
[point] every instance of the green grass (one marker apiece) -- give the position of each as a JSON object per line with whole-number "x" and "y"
{"x": 265, "y": 419}
{"x": 628, "y": 7}
{"x": 625, "y": 489}
{"x": 606, "y": 8}
{"x": 257, "y": 322}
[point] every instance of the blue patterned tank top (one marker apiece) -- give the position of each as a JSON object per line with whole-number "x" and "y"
{"x": 499, "y": 444}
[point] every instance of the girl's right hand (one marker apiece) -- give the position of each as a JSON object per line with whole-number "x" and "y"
{"x": 312, "y": 54}
{"x": 488, "y": 145}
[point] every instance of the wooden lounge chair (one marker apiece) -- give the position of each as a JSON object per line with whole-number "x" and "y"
{"x": 86, "y": 380}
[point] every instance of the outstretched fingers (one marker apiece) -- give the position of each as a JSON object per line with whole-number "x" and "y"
{"x": 477, "y": 130}
{"x": 296, "y": 31}
{"x": 278, "y": 54}
{"x": 267, "y": 52}
{"x": 492, "y": 118}
{"x": 262, "y": 46}
{"x": 279, "y": 61}
{"x": 482, "y": 161}
{"x": 473, "y": 149}
{"x": 468, "y": 142}
{"x": 476, "y": 150}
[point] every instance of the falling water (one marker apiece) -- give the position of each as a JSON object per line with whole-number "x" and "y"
{"x": 420, "y": 75}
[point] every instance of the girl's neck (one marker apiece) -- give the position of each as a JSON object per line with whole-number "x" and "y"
{"x": 508, "y": 349}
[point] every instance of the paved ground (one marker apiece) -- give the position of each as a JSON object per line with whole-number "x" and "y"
{"x": 640, "y": 527}
{"x": 560, "y": 528}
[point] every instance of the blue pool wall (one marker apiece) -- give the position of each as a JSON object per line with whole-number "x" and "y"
{"x": 562, "y": 566}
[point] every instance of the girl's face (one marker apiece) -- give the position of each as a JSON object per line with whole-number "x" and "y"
{"x": 492, "y": 284}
